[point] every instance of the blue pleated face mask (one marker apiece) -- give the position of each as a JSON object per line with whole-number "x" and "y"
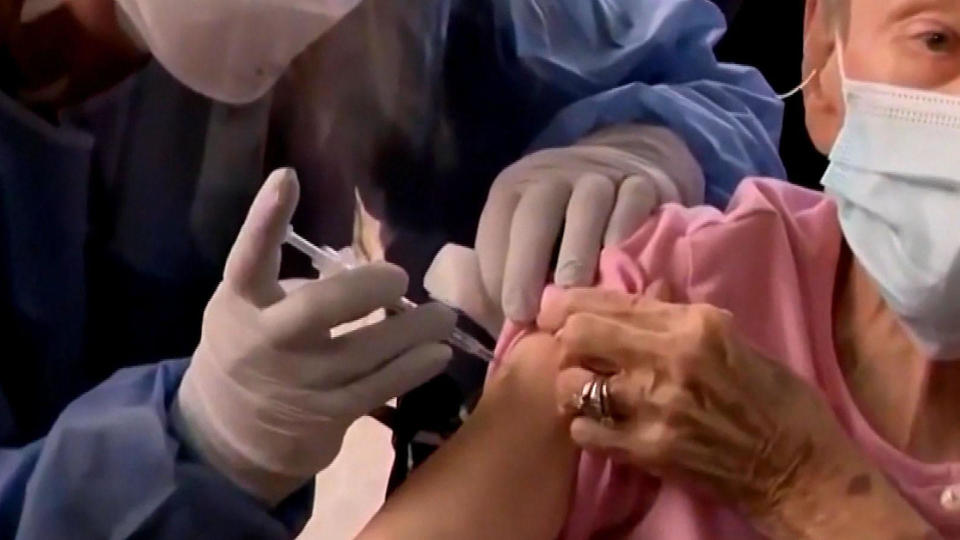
{"x": 895, "y": 174}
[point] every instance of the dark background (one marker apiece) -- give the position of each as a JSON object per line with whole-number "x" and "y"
{"x": 768, "y": 34}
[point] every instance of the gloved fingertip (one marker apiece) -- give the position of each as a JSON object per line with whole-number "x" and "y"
{"x": 519, "y": 309}
{"x": 285, "y": 175}
{"x": 284, "y": 185}
{"x": 445, "y": 319}
{"x": 394, "y": 277}
{"x": 444, "y": 353}
{"x": 613, "y": 237}
{"x": 572, "y": 273}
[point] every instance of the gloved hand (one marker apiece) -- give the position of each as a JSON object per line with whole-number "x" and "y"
{"x": 270, "y": 393}
{"x": 598, "y": 191}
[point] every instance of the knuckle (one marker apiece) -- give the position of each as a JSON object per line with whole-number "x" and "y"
{"x": 640, "y": 187}
{"x": 580, "y": 328}
{"x": 695, "y": 391}
{"x": 626, "y": 394}
{"x": 673, "y": 417}
{"x": 637, "y": 302}
{"x": 675, "y": 409}
{"x": 663, "y": 440}
{"x": 713, "y": 320}
{"x": 565, "y": 302}
{"x": 707, "y": 328}
{"x": 277, "y": 342}
{"x": 595, "y": 186}
{"x": 686, "y": 358}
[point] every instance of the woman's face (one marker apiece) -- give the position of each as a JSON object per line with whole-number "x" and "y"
{"x": 911, "y": 43}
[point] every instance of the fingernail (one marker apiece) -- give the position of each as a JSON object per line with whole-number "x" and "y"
{"x": 286, "y": 177}
{"x": 272, "y": 190}
{"x": 277, "y": 193}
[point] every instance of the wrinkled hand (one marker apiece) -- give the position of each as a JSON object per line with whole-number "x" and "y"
{"x": 598, "y": 191}
{"x": 691, "y": 402}
{"x": 270, "y": 393}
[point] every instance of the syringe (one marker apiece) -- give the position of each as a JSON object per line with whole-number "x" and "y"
{"x": 326, "y": 260}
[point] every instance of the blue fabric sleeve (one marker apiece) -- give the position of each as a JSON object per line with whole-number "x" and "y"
{"x": 111, "y": 468}
{"x": 650, "y": 61}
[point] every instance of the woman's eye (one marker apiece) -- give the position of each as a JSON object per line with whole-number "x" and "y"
{"x": 938, "y": 42}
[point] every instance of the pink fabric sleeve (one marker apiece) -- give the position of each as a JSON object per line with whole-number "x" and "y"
{"x": 611, "y": 499}
{"x": 763, "y": 260}
{"x": 771, "y": 259}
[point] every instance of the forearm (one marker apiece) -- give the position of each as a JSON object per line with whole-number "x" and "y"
{"x": 856, "y": 502}
{"x": 506, "y": 474}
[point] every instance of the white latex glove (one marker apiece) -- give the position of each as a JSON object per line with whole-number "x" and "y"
{"x": 454, "y": 279}
{"x": 270, "y": 393}
{"x": 598, "y": 191}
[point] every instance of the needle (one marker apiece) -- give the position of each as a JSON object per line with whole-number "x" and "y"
{"x": 326, "y": 259}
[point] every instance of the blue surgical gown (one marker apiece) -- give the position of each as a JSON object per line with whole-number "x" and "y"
{"x": 115, "y": 222}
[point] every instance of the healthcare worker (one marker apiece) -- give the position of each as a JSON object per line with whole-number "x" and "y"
{"x": 121, "y": 192}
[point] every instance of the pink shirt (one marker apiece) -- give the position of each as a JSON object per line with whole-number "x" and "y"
{"x": 771, "y": 260}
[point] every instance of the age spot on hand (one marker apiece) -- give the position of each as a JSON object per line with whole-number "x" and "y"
{"x": 859, "y": 485}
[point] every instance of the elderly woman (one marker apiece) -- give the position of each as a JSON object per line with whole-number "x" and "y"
{"x": 804, "y": 382}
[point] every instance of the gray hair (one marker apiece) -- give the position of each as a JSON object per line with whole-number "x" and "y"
{"x": 373, "y": 85}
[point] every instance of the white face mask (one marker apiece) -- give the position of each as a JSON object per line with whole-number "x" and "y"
{"x": 230, "y": 50}
{"x": 895, "y": 173}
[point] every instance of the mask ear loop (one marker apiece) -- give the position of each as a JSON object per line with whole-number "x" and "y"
{"x": 800, "y": 87}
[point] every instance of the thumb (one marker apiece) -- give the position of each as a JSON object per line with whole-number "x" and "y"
{"x": 254, "y": 263}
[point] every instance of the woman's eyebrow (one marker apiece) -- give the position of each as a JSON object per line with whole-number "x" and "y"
{"x": 901, "y": 9}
